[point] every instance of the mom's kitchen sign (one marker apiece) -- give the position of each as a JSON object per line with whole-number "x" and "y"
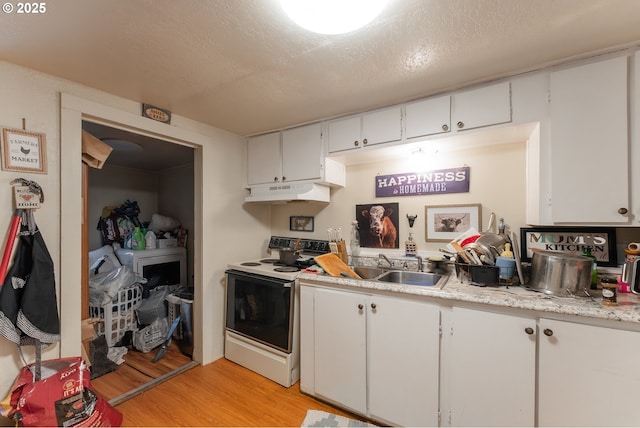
{"x": 572, "y": 240}
{"x": 452, "y": 180}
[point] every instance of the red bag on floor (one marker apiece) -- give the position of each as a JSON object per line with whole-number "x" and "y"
{"x": 62, "y": 397}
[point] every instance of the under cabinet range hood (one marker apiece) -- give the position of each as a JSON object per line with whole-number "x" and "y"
{"x": 289, "y": 192}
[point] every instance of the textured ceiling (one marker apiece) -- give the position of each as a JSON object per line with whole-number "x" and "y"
{"x": 242, "y": 66}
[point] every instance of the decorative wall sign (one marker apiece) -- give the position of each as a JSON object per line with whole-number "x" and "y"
{"x": 444, "y": 223}
{"x": 25, "y": 198}
{"x": 378, "y": 224}
{"x": 452, "y": 180}
{"x": 301, "y": 223}
{"x": 156, "y": 113}
{"x": 572, "y": 240}
{"x": 24, "y": 151}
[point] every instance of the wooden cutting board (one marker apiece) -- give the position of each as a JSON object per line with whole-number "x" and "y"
{"x": 334, "y": 266}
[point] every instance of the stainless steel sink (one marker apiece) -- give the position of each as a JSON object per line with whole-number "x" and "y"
{"x": 424, "y": 279}
{"x": 367, "y": 272}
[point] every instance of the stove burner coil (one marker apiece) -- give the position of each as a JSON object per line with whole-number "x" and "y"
{"x": 286, "y": 269}
{"x": 250, "y": 264}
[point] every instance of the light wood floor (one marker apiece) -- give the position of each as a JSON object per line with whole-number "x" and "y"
{"x": 220, "y": 394}
{"x": 138, "y": 371}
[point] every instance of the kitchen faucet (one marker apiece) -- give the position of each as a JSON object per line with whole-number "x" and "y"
{"x": 382, "y": 256}
{"x": 420, "y": 263}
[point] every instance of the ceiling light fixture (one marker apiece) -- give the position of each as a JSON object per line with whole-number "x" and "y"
{"x": 332, "y": 16}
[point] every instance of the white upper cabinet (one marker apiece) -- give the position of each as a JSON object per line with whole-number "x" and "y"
{"x": 486, "y": 106}
{"x": 302, "y": 153}
{"x": 590, "y": 143}
{"x": 355, "y": 132}
{"x": 477, "y": 108}
{"x": 264, "y": 162}
{"x": 292, "y": 155}
{"x": 428, "y": 117}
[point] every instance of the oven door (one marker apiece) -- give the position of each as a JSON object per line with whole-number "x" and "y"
{"x": 261, "y": 308}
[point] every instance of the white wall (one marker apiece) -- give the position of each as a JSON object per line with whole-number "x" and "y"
{"x": 497, "y": 182}
{"x": 221, "y": 216}
{"x": 175, "y": 200}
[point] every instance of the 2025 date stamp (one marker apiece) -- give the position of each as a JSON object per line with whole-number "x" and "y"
{"x": 31, "y": 8}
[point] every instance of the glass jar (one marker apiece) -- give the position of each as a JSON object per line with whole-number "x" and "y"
{"x": 354, "y": 240}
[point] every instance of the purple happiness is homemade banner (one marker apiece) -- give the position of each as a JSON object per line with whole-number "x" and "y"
{"x": 452, "y": 180}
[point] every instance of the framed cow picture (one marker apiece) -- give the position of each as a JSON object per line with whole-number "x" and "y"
{"x": 444, "y": 223}
{"x": 379, "y": 226}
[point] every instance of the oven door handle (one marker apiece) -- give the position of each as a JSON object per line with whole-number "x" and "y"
{"x": 288, "y": 284}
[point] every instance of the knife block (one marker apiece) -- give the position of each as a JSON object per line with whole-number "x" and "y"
{"x": 342, "y": 251}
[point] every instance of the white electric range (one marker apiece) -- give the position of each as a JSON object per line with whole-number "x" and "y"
{"x": 262, "y": 318}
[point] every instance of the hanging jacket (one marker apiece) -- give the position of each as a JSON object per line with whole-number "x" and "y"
{"x": 28, "y": 304}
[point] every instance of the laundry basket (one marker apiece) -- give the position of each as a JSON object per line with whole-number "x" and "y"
{"x": 118, "y": 316}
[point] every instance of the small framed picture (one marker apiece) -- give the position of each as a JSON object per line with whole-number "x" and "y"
{"x": 24, "y": 151}
{"x": 444, "y": 223}
{"x": 301, "y": 223}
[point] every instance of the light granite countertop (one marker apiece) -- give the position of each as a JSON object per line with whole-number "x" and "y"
{"x": 627, "y": 310}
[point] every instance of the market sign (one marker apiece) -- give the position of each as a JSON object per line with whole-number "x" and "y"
{"x": 452, "y": 180}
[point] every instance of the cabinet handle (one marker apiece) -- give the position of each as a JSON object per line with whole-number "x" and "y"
{"x": 284, "y": 178}
{"x": 622, "y": 211}
{"x": 548, "y": 332}
{"x": 360, "y": 306}
{"x": 528, "y": 330}
{"x": 365, "y": 141}
{"x": 356, "y": 143}
{"x": 373, "y": 306}
{"x": 445, "y": 127}
{"x": 460, "y": 125}
{"x": 276, "y": 179}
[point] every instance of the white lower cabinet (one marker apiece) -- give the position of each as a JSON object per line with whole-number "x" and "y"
{"x": 340, "y": 334}
{"x": 383, "y": 357}
{"x": 375, "y": 355}
{"x": 588, "y": 375}
{"x": 491, "y": 369}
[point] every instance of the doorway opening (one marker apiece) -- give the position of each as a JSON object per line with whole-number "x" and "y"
{"x": 158, "y": 176}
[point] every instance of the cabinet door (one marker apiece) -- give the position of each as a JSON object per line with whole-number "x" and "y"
{"x": 403, "y": 361}
{"x": 428, "y": 117}
{"x": 589, "y": 142}
{"x": 588, "y": 376}
{"x": 492, "y": 369}
{"x": 344, "y": 134}
{"x": 489, "y": 105}
{"x": 263, "y": 162}
{"x": 340, "y": 348}
{"x": 302, "y": 153}
{"x": 382, "y": 126}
